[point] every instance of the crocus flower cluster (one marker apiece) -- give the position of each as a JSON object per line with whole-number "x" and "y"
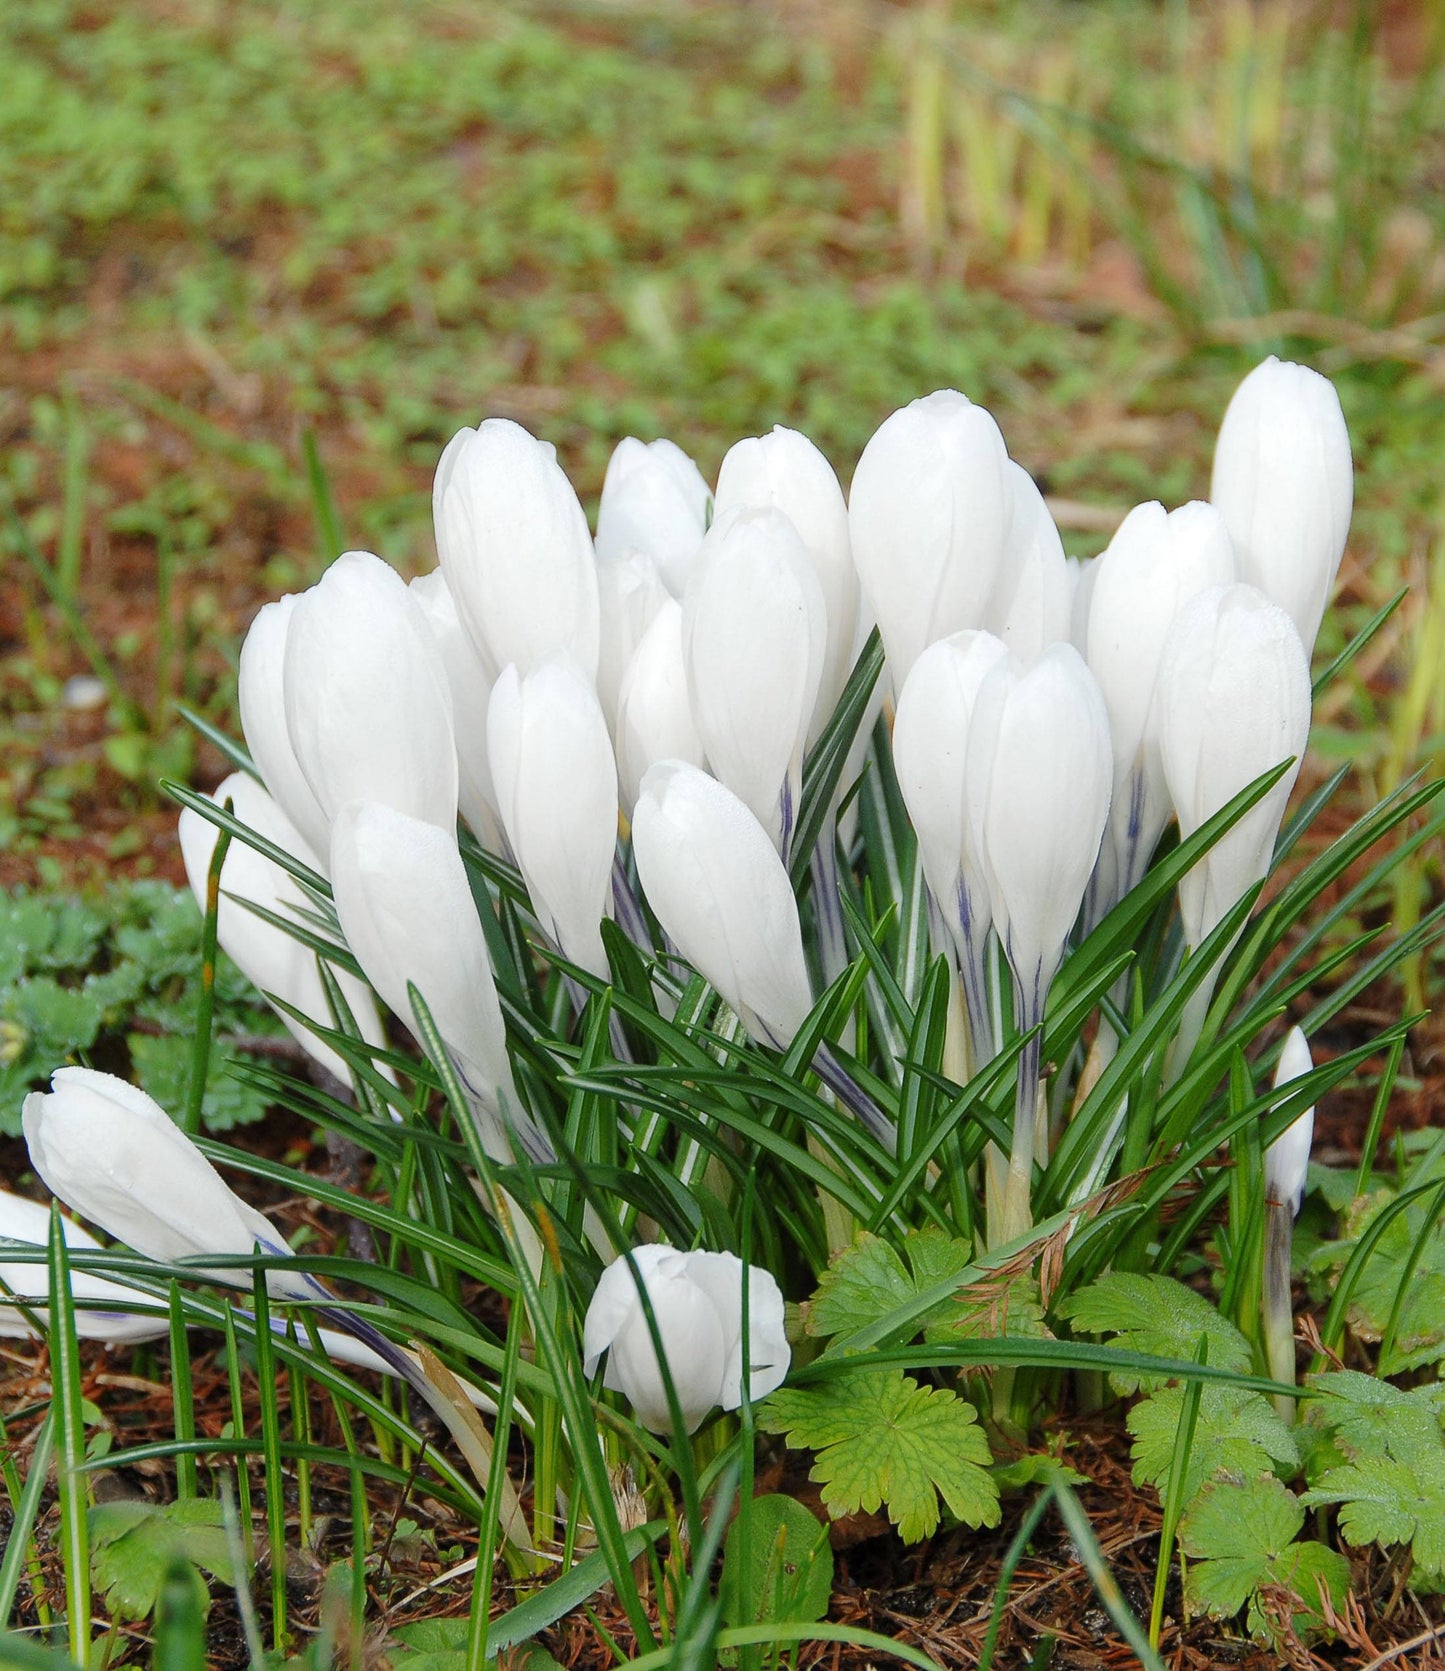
{"x": 666, "y": 680}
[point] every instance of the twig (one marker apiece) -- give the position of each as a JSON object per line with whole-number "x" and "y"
{"x": 1423, "y": 1639}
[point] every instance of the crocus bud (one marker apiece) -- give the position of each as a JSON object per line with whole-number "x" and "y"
{"x": 556, "y": 781}
{"x": 1284, "y": 483}
{"x": 406, "y": 909}
{"x": 514, "y": 546}
{"x": 787, "y": 471}
{"x": 1154, "y": 564}
{"x": 715, "y": 881}
{"x": 261, "y": 698}
{"x": 471, "y": 692}
{"x": 274, "y": 962}
{"x": 697, "y": 1303}
{"x": 754, "y": 633}
{"x": 113, "y": 1155}
{"x": 1032, "y": 603}
{"x": 1037, "y": 774}
{"x": 654, "y": 500}
{"x": 929, "y": 514}
{"x": 654, "y": 718}
{"x": 368, "y": 709}
{"x": 29, "y": 1222}
{"x": 930, "y": 745}
{"x": 1234, "y": 700}
{"x": 1287, "y": 1159}
{"x": 630, "y": 591}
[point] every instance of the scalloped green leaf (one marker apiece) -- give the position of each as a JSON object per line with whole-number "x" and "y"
{"x": 885, "y": 1441}
{"x": 1157, "y": 1315}
{"x": 1236, "y": 1433}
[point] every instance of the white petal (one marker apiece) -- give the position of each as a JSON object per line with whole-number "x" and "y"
{"x": 367, "y": 703}
{"x": 514, "y": 546}
{"x": 406, "y": 908}
{"x": 556, "y": 782}
{"x": 719, "y": 889}
{"x": 754, "y": 634}
{"x": 276, "y": 964}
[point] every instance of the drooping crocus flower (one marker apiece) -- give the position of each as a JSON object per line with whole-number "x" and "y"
{"x": 111, "y": 1153}
{"x": 754, "y": 634}
{"x": 275, "y": 963}
{"x": 261, "y": 699}
{"x": 105, "y": 1310}
{"x": 1037, "y": 776}
{"x": 406, "y": 909}
{"x": 556, "y": 781}
{"x": 785, "y": 470}
{"x": 368, "y": 707}
{"x": 654, "y": 500}
{"x": 1152, "y": 567}
{"x": 929, "y": 514}
{"x": 697, "y": 1302}
{"x": 103, "y": 1307}
{"x": 513, "y": 543}
{"x": 1284, "y": 483}
{"x": 116, "y": 1157}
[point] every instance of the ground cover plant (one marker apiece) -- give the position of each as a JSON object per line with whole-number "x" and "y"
{"x": 954, "y": 1322}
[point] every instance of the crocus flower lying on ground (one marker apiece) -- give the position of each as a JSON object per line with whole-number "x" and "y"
{"x": 697, "y": 1303}
{"x": 115, "y": 1156}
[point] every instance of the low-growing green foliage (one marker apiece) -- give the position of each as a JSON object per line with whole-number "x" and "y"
{"x": 114, "y": 978}
{"x": 135, "y": 1546}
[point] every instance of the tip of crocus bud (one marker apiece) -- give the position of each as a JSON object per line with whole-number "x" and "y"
{"x": 1286, "y": 1160}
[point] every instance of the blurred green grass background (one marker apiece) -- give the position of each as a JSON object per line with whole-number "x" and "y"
{"x": 232, "y": 234}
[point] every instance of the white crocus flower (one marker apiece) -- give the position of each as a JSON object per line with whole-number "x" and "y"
{"x": 105, "y": 1309}
{"x": 102, "y": 1306}
{"x": 513, "y": 543}
{"x": 275, "y": 963}
{"x": 754, "y": 635}
{"x": 785, "y": 470}
{"x": 1033, "y": 600}
{"x": 1153, "y": 566}
{"x": 697, "y": 1304}
{"x": 261, "y": 699}
{"x": 1037, "y": 777}
{"x": 1284, "y": 483}
{"x": 929, "y": 515}
{"x": 368, "y": 708}
{"x": 654, "y": 717}
{"x": 654, "y": 500}
{"x": 930, "y": 745}
{"x": 1286, "y": 1162}
{"x": 1234, "y": 700}
{"x": 116, "y": 1157}
{"x": 556, "y": 781}
{"x": 471, "y": 692}
{"x": 406, "y": 908}
{"x": 719, "y": 889}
